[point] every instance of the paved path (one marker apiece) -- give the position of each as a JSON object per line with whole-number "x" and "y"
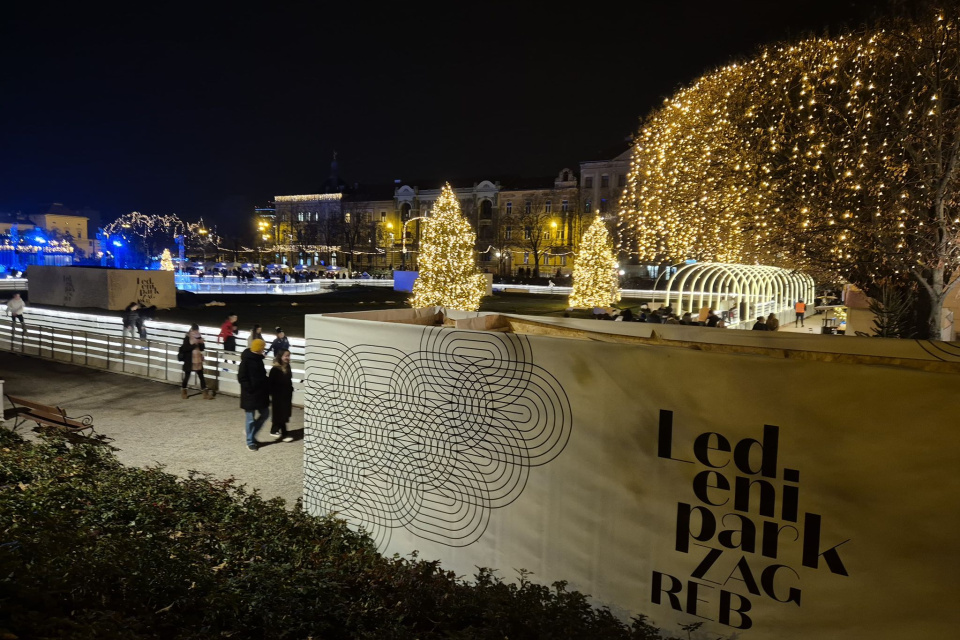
{"x": 151, "y": 425}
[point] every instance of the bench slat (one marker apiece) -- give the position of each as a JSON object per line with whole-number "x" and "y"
{"x": 44, "y": 415}
{"x": 32, "y": 405}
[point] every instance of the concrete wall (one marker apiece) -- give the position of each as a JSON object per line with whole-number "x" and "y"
{"x": 101, "y": 288}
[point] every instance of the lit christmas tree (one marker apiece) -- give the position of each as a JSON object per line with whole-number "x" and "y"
{"x": 448, "y": 268}
{"x": 166, "y": 261}
{"x": 595, "y": 281}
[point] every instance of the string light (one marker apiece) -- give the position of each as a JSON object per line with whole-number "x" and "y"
{"x": 317, "y": 197}
{"x": 833, "y": 155}
{"x": 595, "y": 281}
{"x": 448, "y": 268}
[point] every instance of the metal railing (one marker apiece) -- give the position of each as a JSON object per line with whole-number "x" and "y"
{"x": 13, "y": 284}
{"x": 98, "y": 342}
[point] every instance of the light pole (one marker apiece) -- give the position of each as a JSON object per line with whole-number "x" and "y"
{"x": 203, "y": 244}
{"x": 263, "y": 225}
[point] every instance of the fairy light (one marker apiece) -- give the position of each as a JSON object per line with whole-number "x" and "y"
{"x": 595, "y": 281}
{"x": 448, "y": 267}
{"x": 164, "y": 227}
{"x": 831, "y": 155}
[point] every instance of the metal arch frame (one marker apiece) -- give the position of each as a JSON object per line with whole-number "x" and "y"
{"x": 710, "y": 282}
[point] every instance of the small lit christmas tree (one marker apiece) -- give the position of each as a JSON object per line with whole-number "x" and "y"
{"x": 595, "y": 280}
{"x": 166, "y": 261}
{"x": 448, "y": 266}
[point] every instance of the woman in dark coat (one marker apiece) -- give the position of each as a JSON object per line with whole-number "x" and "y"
{"x": 281, "y": 395}
{"x": 191, "y": 355}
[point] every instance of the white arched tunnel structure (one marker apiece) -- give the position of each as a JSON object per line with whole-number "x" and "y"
{"x": 751, "y": 290}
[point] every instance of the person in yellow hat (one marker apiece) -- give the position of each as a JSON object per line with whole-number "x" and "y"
{"x": 254, "y": 390}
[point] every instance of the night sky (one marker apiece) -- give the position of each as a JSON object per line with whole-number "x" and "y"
{"x": 171, "y": 108}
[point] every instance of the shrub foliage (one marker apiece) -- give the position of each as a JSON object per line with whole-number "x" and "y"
{"x": 91, "y": 548}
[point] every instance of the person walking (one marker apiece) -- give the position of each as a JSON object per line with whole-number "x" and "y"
{"x": 281, "y": 395}
{"x": 773, "y": 323}
{"x": 131, "y": 318}
{"x": 255, "y": 334}
{"x": 191, "y": 355}
{"x": 280, "y": 343}
{"x": 760, "y": 324}
{"x": 800, "y": 309}
{"x": 15, "y": 307}
{"x": 228, "y": 333}
{"x": 228, "y": 336}
{"x": 254, "y": 391}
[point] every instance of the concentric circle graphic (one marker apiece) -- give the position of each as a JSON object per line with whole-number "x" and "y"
{"x": 430, "y": 441}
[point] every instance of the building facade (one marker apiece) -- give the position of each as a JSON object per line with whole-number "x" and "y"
{"x": 602, "y": 183}
{"x": 528, "y": 227}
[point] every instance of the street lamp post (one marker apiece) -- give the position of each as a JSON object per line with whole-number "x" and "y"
{"x": 203, "y": 244}
{"x": 263, "y": 225}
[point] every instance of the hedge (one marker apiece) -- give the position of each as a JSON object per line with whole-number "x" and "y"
{"x": 93, "y": 549}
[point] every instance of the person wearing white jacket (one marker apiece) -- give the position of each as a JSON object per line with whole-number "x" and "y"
{"x": 15, "y": 308}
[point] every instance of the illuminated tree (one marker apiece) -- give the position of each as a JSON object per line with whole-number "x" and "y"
{"x": 166, "y": 261}
{"x": 448, "y": 266}
{"x": 838, "y": 156}
{"x": 595, "y": 280}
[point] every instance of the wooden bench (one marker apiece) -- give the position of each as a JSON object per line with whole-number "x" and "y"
{"x": 44, "y": 415}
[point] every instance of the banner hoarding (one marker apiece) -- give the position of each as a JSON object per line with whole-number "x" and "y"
{"x": 771, "y": 498}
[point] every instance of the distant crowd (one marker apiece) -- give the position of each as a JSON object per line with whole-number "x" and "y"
{"x": 666, "y": 315}
{"x": 280, "y": 276}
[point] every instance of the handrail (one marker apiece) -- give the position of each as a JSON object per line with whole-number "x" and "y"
{"x": 98, "y": 342}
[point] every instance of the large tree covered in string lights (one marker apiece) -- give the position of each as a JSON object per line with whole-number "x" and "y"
{"x": 448, "y": 264}
{"x": 837, "y": 155}
{"x": 151, "y": 234}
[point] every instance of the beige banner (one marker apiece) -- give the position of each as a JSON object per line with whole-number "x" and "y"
{"x": 766, "y": 497}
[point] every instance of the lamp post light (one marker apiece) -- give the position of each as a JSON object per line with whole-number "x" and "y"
{"x": 203, "y": 244}
{"x": 263, "y": 226}
{"x": 388, "y": 241}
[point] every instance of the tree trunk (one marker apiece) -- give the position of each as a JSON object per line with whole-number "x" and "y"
{"x": 935, "y": 294}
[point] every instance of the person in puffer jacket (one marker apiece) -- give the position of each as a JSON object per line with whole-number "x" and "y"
{"x": 254, "y": 390}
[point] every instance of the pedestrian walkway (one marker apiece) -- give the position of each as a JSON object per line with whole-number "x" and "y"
{"x": 151, "y": 425}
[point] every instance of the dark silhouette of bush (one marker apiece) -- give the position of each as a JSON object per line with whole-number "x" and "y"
{"x": 93, "y": 549}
